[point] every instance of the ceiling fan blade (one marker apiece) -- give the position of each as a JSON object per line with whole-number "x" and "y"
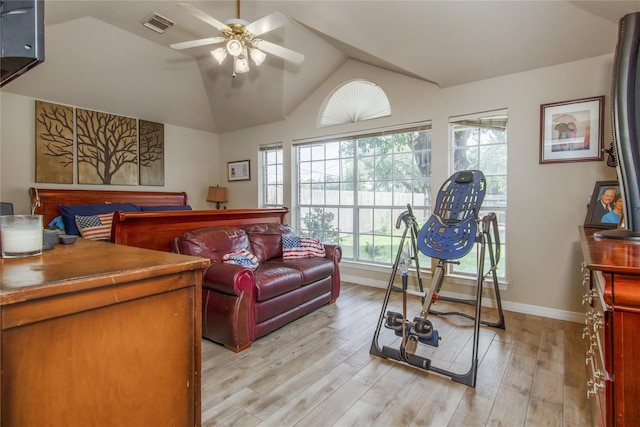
{"x": 203, "y": 16}
{"x": 196, "y": 43}
{"x": 280, "y": 51}
{"x": 266, "y": 24}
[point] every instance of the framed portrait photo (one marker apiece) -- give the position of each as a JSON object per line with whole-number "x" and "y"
{"x": 606, "y": 206}
{"x": 571, "y": 131}
{"x": 239, "y": 171}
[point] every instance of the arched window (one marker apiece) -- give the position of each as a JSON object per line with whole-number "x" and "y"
{"x": 354, "y": 101}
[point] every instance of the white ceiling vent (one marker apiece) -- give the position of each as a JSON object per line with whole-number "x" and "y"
{"x": 157, "y": 23}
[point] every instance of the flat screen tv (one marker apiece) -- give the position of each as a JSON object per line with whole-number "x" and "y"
{"x": 21, "y": 37}
{"x": 626, "y": 125}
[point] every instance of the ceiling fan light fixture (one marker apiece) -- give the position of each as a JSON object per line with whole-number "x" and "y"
{"x": 258, "y": 56}
{"x": 219, "y": 54}
{"x": 241, "y": 64}
{"x": 234, "y": 47}
{"x": 239, "y": 39}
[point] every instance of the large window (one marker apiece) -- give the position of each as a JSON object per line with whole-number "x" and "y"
{"x": 351, "y": 190}
{"x": 479, "y": 141}
{"x": 272, "y": 169}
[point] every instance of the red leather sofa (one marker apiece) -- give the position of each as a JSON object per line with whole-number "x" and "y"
{"x": 240, "y": 304}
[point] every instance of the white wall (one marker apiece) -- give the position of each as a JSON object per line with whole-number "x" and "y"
{"x": 546, "y": 202}
{"x": 191, "y": 158}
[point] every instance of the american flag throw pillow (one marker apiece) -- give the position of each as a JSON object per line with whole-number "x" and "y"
{"x": 301, "y": 247}
{"x": 95, "y": 227}
{"x": 241, "y": 257}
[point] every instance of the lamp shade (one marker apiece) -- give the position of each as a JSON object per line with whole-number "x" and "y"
{"x": 234, "y": 47}
{"x": 219, "y": 54}
{"x": 217, "y": 194}
{"x": 258, "y": 56}
{"x": 241, "y": 64}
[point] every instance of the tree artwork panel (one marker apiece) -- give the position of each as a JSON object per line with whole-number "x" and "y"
{"x": 151, "y": 148}
{"x": 107, "y": 151}
{"x": 54, "y": 143}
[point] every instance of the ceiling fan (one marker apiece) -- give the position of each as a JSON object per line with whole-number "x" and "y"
{"x": 240, "y": 39}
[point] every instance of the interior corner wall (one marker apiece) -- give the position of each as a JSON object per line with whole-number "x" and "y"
{"x": 191, "y": 163}
{"x": 546, "y": 203}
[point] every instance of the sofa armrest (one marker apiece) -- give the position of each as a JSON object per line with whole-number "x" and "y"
{"x": 333, "y": 252}
{"x": 230, "y": 279}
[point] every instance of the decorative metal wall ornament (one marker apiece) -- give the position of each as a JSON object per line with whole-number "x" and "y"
{"x": 151, "y": 147}
{"x": 107, "y": 148}
{"x": 54, "y": 143}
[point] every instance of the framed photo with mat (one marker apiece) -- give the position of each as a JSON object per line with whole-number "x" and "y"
{"x": 239, "y": 171}
{"x": 571, "y": 131}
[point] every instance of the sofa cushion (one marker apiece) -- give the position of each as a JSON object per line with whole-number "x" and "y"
{"x": 266, "y": 239}
{"x": 311, "y": 269}
{"x": 277, "y": 306}
{"x": 274, "y": 280}
{"x": 213, "y": 242}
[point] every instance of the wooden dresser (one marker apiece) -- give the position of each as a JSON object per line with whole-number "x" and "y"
{"x": 100, "y": 334}
{"x": 612, "y": 328}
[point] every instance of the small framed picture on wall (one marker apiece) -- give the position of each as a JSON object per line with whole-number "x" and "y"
{"x": 239, "y": 171}
{"x": 571, "y": 131}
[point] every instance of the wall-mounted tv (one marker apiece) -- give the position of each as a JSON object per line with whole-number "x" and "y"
{"x": 625, "y": 107}
{"x": 21, "y": 37}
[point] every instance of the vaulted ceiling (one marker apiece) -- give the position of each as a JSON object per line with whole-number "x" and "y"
{"x": 100, "y": 49}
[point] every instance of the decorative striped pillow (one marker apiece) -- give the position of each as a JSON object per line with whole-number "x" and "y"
{"x": 301, "y": 247}
{"x": 95, "y": 227}
{"x": 241, "y": 257}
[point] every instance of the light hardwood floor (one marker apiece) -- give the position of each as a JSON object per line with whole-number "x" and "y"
{"x": 317, "y": 371}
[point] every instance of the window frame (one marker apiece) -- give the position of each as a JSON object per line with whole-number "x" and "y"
{"x": 499, "y": 209}
{"x": 267, "y": 183}
{"x": 304, "y": 206}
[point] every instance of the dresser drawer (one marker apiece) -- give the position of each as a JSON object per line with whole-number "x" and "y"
{"x": 597, "y": 357}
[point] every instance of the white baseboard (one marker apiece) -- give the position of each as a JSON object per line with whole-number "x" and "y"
{"x": 506, "y": 305}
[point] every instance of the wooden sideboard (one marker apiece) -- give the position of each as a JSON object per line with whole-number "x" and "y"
{"x": 612, "y": 277}
{"x": 100, "y": 334}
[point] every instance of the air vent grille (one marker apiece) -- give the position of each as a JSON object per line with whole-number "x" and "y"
{"x": 157, "y": 23}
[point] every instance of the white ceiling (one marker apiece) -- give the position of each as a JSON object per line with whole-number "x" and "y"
{"x": 443, "y": 42}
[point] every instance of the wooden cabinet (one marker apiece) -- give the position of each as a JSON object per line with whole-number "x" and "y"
{"x": 612, "y": 325}
{"x": 101, "y": 334}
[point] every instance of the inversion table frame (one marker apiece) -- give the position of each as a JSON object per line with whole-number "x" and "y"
{"x": 478, "y": 231}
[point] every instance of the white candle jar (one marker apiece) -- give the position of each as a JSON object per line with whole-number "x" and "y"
{"x": 21, "y": 235}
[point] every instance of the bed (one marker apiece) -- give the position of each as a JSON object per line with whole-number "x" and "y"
{"x": 150, "y": 229}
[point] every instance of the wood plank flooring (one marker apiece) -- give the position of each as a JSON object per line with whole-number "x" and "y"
{"x": 317, "y": 371}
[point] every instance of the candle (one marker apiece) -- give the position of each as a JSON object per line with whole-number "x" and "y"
{"x": 21, "y": 235}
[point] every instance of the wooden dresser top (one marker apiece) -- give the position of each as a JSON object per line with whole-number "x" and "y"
{"x": 85, "y": 264}
{"x": 610, "y": 255}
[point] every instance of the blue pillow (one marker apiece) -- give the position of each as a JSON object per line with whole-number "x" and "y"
{"x": 57, "y": 223}
{"x": 69, "y": 213}
{"x": 164, "y": 208}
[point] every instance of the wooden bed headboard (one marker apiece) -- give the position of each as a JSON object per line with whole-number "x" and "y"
{"x": 155, "y": 230}
{"x": 150, "y": 230}
{"x": 45, "y": 201}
